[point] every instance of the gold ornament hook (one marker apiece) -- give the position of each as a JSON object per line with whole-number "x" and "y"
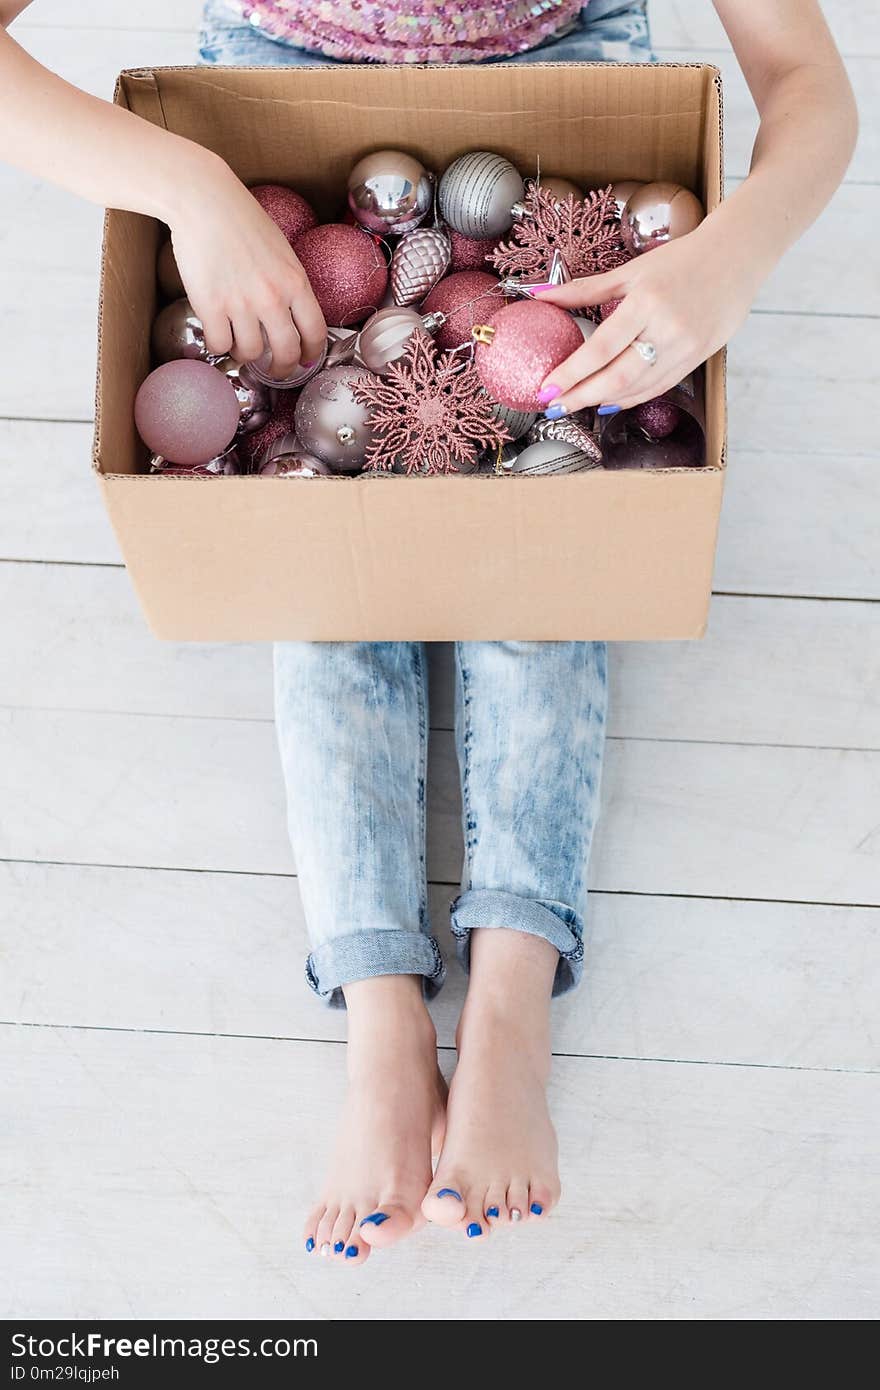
{"x": 482, "y": 333}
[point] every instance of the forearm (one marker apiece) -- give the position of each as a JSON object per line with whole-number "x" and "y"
{"x": 97, "y": 150}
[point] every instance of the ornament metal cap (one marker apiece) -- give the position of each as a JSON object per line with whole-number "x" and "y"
{"x": 482, "y": 333}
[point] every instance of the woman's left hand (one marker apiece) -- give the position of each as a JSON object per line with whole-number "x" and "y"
{"x": 686, "y": 298}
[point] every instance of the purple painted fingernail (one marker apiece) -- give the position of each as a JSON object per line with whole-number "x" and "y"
{"x": 608, "y": 410}
{"x": 554, "y": 412}
{"x": 549, "y": 393}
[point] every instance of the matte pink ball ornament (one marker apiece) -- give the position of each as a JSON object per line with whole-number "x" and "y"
{"x": 187, "y": 412}
{"x": 287, "y": 208}
{"x": 520, "y": 348}
{"x": 464, "y": 298}
{"x": 346, "y": 270}
{"x": 657, "y": 213}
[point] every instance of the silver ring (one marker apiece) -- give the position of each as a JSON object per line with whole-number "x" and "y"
{"x": 646, "y": 351}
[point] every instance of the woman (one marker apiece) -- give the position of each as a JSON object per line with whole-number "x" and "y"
{"x": 352, "y": 717}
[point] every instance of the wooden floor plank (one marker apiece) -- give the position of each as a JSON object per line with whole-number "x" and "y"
{"x": 694, "y": 24}
{"x": 771, "y": 984}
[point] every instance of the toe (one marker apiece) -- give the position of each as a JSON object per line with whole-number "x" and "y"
{"x": 311, "y": 1228}
{"x": 340, "y": 1235}
{"x": 355, "y": 1250}
{"x": 445, "y": 1204}
{"x": 476, "y": 1226}
{"x": 495, "y": 1205}
{"x": 542, "y": 1199}
{"x": 324, "y": 1231}
{"x": 518, "y": 1200}
{"x": 390, "y": 1222}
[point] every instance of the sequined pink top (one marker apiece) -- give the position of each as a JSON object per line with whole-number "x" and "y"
{"x": 410, "y": 31}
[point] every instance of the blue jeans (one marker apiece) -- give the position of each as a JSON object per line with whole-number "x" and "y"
{"x": 352, "y": 722}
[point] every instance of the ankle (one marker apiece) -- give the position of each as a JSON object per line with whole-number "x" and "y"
{"x": 389, "y": 1008}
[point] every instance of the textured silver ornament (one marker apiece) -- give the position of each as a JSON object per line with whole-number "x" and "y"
{"x": 419, "y": 261}
{"x": 390, "y": 191}
{"x": 478, "y": 192}
{"x": 551, "y": 456}
{"x": 253, "y": 396}
{"x": 573, "y": 430}
{"x": 516, "y": 422}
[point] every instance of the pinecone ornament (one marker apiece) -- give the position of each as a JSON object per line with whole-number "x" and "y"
{"x": 573, "y": 430}
{"x": 420, "y": 259}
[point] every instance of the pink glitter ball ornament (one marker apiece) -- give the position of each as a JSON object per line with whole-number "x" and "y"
{"x": 287, "y": 208}
{"x": 346, "y": 271}
{"x": 657, "y": 418}
{"x": 187, "y": 411}
{"x": 607, "y": 309}
{"x": 465, "y": 298}
{"x": 525, "y": 341}
{"x": 469, "y": 253}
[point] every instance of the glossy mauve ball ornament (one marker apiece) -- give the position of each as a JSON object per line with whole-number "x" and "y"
{"x": 253, "y": 396}
{"x": 561, "y": 188}
{"x": 178, "y": 332}
{"x": 623, "y": 190}
{"x": 657, "y": 418}
{"x": 346, "y": 271}
{"x": 288, "y": 459}
{"x": 464, "y": 298}
{"x": 331, "y": 423}
{"x": 390, "y": 191}
{"x": 384, "y": 337}
{"x": 287, "y": 208}
{"x": 420, "y": 259}
{"x": 167, "y": 273}
{"x": 187, "y": 411}
{"x": 657, "y": 213}
{"x": 470, "y": 253}
{"x": 262, "y": 369}
{"x": 524, "y": 342}
{"x": 478, "y": 192}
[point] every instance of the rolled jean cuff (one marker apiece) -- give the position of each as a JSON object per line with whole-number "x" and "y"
{"x": 365, "y": 954}
{"x": 558, "y": 924}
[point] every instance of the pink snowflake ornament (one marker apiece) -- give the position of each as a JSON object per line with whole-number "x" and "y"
{"x": 585, "y": 232}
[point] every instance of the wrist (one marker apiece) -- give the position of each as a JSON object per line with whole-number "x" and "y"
{"x": 191, "y": 179}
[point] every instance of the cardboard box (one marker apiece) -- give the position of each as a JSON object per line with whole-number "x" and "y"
{"x": 618, "y": 555}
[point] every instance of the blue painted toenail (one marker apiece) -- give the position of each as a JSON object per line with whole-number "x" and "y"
{"x": 310, "y": 1244}
{"x": 339, "y": 1247}
{"x": 376, "y": 1219}
{"x": 536, "y": 1208}
{"x": 449, "y": 1192}
{"x": 351, "y": 1252}
{"x": 491, "y": 1211}
{"x": 474, "y": 1229}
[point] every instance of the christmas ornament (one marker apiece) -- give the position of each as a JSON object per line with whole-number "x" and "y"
{"x": 465, "y": 298}
{"x": 178, "y": 332}
{"x": 477, "y": 194}
{"x": 346, "y": 271}
{"x": 516, "y": 422}
{"x": 622, "y": 191}
{"x": 607, "y": 309}
{"x": 341, "y": 346}
{"x": 657, "y": 213}
{"x": 560, "y": 188}
{"x": 287, "y": 208}
{"x": 167, "y": 273}
{"x": 551, "y": 456}
{"x": 429, "y": 413}
{"x": 288, "y": 459}
{"x": 586, "y": 232}
{"x": 331, "y": 419}
{"x": 586, "y": 326}
{"x": 226, "y": 465}
{"x": 420, "y": 259}
{"x": 657, "y": 418}
{"x": 253, "y": 396}
{"x": 261, "y": 369}
{"x": 255, "y": 447}
{"x": 525, "y": 285}
{"x": 572, "y": 430}
{"x": 186, "y": 411}
{"x": 384, "y": 337}
{"x": 469, "y": 253}
{"x": 389, "y": 191}
{"x": 520, "y": 348}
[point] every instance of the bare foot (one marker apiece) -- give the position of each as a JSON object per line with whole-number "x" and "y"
{"x": 393, "y": 1120}
{"x": 499, "y": 1158}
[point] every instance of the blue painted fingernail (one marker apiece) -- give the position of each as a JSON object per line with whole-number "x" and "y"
{"x": 351, "y": 1252}
{"x": 554, "y": 412}
{"x": 491, "y": 1211}
{"x": 310, "y": 1244}
{"x": 449, "y": 1192}
{"x": 376, "y": 1219}
{"x": 474, "y": 1229}
{"x": 339, "y": 1247}
{"x": 608, "y": 410}
{"x": 536, "y": 1209}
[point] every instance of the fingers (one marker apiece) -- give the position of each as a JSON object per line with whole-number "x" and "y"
{"x": 589, "y": 289}
{"x": 247, "y": 339}
{"x": 218, "y": 333}
{"x": 309, "y": 322}
{"x": 622, "y": 379}
{"x": 284, "y": 342}
{"x": 608, "y": 341}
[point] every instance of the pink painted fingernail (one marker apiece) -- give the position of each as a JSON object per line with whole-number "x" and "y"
{"x": 541, "y": 289}
{"x": 549, "y": 393}
{"x": 304, "y": 365}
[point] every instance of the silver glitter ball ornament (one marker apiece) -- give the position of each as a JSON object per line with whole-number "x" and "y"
{"x": 478, "y": 192}
{"x": 253, "y": 396}
{"x": 551, "y": 456}
{"x": 516, "y": 422}
{"x": 420, "y": 259}
{"x": 178, "y": 332}
{"x": 390, "y": 192}
{"x": 330, "y": 423}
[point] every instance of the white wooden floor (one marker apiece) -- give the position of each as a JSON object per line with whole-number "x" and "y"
{"x": 168, "y": 1081}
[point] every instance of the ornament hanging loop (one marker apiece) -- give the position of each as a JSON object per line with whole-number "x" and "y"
{"x": 482, "y": 333}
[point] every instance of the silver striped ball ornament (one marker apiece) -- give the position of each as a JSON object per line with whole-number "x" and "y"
{"x": 478, "y": 192}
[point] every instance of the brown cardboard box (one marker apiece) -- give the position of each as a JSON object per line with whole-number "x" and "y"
{"x": 618, "y": 555}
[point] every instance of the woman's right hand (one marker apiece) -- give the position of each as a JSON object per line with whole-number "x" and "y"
{"x": 239, "y": 272}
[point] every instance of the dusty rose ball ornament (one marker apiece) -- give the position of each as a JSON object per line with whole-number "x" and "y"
{"x": 167, "y": 273}
{"x": 187, "y": 411}
{"x": 346, "y": 271}
{"x": 469, "y": 253}
{"x": 390, "y": 192}
{"x": 657, "y": 213}
{"x": 330, "y": 423}
{"x": 521, "y": 346}
{"x": 623, "y": 190}
{"x": 178, "y": 332}
{"x": 561, "y": 188}
{"x": 287, "y": 208}
{"x": 657, "y": 418}
{"x": 464, "y": 299}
